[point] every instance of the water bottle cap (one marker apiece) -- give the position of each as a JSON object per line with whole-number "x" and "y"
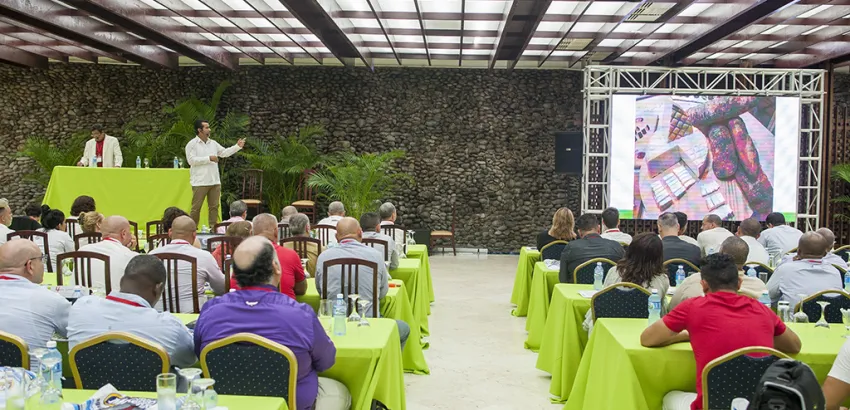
{"x": 51, "y": 344}
{"x": 654, "y": 291}
{"x": 339, "y": 295}
{"x": 77, "y": 287}
{"x": 681, "y": 266}
{"x": 764, "y": 292}
{"x": 598, "y": 263}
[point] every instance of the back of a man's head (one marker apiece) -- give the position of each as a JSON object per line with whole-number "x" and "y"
{"x": 668, "y": 224}
{"x": 611, "y": 217}
{"x": 184, "y": 228}
{"x": 750, "y": 227}
{"x": 737, "y": 248}
{"x": 238, "y": 208}
{"x": 254, "y": 262}
{"x": 33, "y": 210}
{"x": 828, "y": 236}
{"x": 720, "y": 273}
{"x": 811, "y": 245}
{"x": 142, "y": 275}
{"x": 298, "y": 224}
{"x": 775, "y": 219}
{"x": 683, "y": 221}
{"x": 266, "y": 225}
{"x": 336, "y": 208}
{"x": 386, "y": 211}
{"x": 713, "y": 219}
{"x": 587, "y": 223}
{"x": 288, "y": 211}
{"x": 113, "y": 225}
{"x": 348, "y": 228}
{"x": 369, "y": 222}
{"x": 14, "y": 254}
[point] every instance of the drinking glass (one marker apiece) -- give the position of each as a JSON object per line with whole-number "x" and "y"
{"x": 147, "y": 163}
{"x": 354, "y": 317}
{"x": 181, "y": 162}
{"x": 189, "y": 375}
{"x": 845, "y": 317}
{"x": 204, "y": 394}
{"x": 364, "y": 304}
{"x": 822, "y": 321}
{"x": 326, "y": 311}
{"x": 14, "y": 384}
{"x": 784, "y": 310}
{"x": 51, "y": 394}
{"x": 166, "y": 391}
{"x": 763, "y": 277}
{"x": 39, "y": 354}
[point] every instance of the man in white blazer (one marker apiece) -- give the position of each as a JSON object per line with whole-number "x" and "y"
{"x": 103, "y": 146}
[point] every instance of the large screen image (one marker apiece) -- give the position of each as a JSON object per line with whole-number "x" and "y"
{"x": 733, "y": 156}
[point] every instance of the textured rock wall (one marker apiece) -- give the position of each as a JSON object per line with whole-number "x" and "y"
{"x": 479, "y": 139}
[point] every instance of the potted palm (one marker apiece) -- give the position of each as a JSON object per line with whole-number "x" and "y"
{"x": 47, "y": 155}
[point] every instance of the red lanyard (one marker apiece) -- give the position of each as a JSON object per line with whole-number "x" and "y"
{"x": 267, "y": 288}
{"x": 9, "y": 278}
{"x": 347, "y": 241}
{"x": 113, "y": 240}
{"x": 124, "y": 301}
{"x": 612, "y": 230}
{"x": 179, "y": 242}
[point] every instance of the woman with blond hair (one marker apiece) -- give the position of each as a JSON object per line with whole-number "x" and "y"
{"x": 563, "y": 228}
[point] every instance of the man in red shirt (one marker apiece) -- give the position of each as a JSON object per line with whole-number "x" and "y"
{"x": 718, "y": 323}
{"x": 292, "y": 280}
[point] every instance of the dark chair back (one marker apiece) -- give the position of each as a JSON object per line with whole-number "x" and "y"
{"x": 759, "y": 267}
{"x": 135, "y": 226}
{"x": 72, "y": 226}
{"x": 305, "y": 202}
{"x": 35, "y": 236}
{"x": 171, "y": 295}
{"x": 131, "y": 364}
{"x": 325, "y": 233}
{"x": 350, "y": 270}
{"x": 672, "y": 265}
{"x": 221, "y": 225}
{"x": 380, "y": 245}
{"x": 837, "y": 300}
{"x": 397, "y": 232}
{"x": 624, "y": 299}
{"x": 158, "y": 240}
{"x": 583, "y": 274}
{"x": 249, "y": 365}
{"x": 843, "y": 252}
{"x": 153, "y": 228}
{"x": 553, "y": 250}
{"x": 13, "y": 351}
{"x": 735, "y": 374}
{"x": 300, "y": 245}
{"x": 283, "y": 230}
{"x": 86, "y": 239}
{"x": 82, "y": 261}
{"x": 229, "y": 244}
{"x": 252, "y": 187}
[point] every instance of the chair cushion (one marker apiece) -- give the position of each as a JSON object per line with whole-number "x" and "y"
{"x": 303, "y": 202}
{"x": 252, "y": 201}
{"x": 441, "y": 233}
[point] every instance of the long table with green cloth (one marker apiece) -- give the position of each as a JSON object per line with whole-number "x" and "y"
{"x": 528, "y": 256}
{"x": 421, "y": 252}
{"x": 616, "y": 372}
{"x": 231, "y": 402}
{"x": 395, "y": 305}
{"x": 416, "y": 279}
{"x": 123, "y": 191}
{"x": 543, "y": 282}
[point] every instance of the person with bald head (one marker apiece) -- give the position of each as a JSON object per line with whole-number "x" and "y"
{"x": 292, "y": 279}
{"x": 712, "y": 235}
{"x": 259, "y": 308}
{"x": 116, "y": 243}
{"x": 27, "y": 309}
{"x": 183, "y": 234}
{"x": 388, "y": 214}
{"x": 336, "y": 211}
{"x": 287, "y": 213}
{"x": 749, "y": 230}
{"x": 829, "y": 258}
{"x": 807, "y": 274}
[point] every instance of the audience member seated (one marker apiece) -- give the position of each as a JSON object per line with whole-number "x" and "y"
{"x": 779, "y": 238}
{"x": 336, "y": 211}
{"x": 82, "y": 203}
{"x": 27, "y": 309}
{"x": 683, "y": 227}
{"x": 389, "y": 215}
{"x": 738, "y": 250}
{"x": 239, "y": 229}
{"x": 171, "y": 213}
{"x": 299, "y": 225}
{"x": 562, "y": 229}
{"x": 590, "y": 245}
{"x": 830, "y": 257}
{"x": 749, "y": 230}
{"x": 712, "y": 234}
{"x": 807, "y": 274}
{"x": 238, "y": 212}
{"x": 349, "y": 235}
{"x": 292, "y": 279}
{"x": 611, "y": 227}
{"x": 719, "y": 323}
{"x": 183, "y": 234}
{"x": 5, "y": 220}
{"x": 131, "y": 310}
{"x": 90, "y": 222}
{"x": 116, "y": 245}
{"x": 836, "y": 387}
{"x": 258, "y": 273}
{"x": 58, "y": 241}
{"x": 674, "y": 246}
{"x": 370, "y": 223}
{"x": 287, "y": 212}
{"x": 28, "y": 222}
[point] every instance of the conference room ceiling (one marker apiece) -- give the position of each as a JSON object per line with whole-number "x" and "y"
{"x": 494, "y": 34}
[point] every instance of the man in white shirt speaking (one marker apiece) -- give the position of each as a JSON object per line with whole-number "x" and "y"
{"x": 202, "y": 154}
{"x": 102, "y": 148}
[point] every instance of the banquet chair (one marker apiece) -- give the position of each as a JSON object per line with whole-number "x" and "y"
{"x": 374, "y": 243}
{"x": 437, "y": 235}
{"x": 306, "y": 204}
{"x": 221, "y": 225}
{"x": 157, "y": 229}
{"x": 300, "y": 245}
{"x": 282, "y": 230}
{"x": 672, "y": 265}
{"x": 33, "y": 235}
{"x": 71, "y": 226}
{"x": 583, "y": 274}
{"x": 622, "y": 300}
{"x": 249, "y": 365}
{"x": 553, "y": 250}
{"x": 158, "y": 240}
{"x": 229, "y": 244}
{"x": 171, "y": 294}
{"x": 13, "y": 351}
{"x": 128, "y": 362}
{"x": 759, "y": 267}
{"x": 252, "y": 189}
{"x": 397, "y": 232}
{"x": 837, "y": 300}
{"x": 843, "y": 252}
{"x": 82, "y": 262}
{"x": 325, "y": 233}
{"x": 83, "y": 239}
{"x": 735, "y": 374}
{"x": 135, "y": 226}
{"x": 350, "y": 270}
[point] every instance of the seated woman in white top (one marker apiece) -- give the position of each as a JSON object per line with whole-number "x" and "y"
{"x": 58, "y": 241}
{"x": 643, "y": 265}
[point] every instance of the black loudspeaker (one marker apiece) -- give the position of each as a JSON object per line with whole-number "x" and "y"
{"x": 568, "y": 151}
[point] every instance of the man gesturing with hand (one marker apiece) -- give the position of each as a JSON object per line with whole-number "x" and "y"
{"x": 202, "y": 154}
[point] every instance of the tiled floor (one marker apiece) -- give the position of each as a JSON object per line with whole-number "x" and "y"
{"x": 476, "y": 357}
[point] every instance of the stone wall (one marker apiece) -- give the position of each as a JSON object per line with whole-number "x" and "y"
{"x": 476, "y": 138}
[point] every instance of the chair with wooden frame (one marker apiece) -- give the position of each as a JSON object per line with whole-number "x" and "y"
{"x": 135, "y": 226}
{"x": 306, "y": 204}
{"x": 671, "y": 266}
{"x": 553, "y": 250}
{"x": 171, "y": 295}
{"x": 82, "y": 268}
{"x": 246, "y": 364}
{"x": 229, "y": 244}
{"x": 32, "y": 235}
{"x": 221, "y": 225}
{"x": 735, "y": 374}
{"x": 282, "y": 230}
{"x": 301, "y": 246}
{"x": 13, "y": 351}
{"x": 84, "y": 239}
{"x": 583, "y": 274}
{"x": 759, "y": 267}
{"x": 72, "y": 225}
{"x": 158, "y": 240}
{"x": 325, "y": 233}
{"x": 374, "y": 242}
{"x": 622, "y": 300}
{"x": 132, "y": 364}
{"x": 252, "y": 189}
{"x": 397, "y": 232}
{"x": 437, "y": 235}
{"x": 843, "y": 252}
{"x": 158, "y": 229}
{"x": 349, "y": 270}
{"x": 838, "y": 299}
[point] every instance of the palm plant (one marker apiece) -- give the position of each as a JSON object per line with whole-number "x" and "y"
{"x": 841, "y": 172}
{"x": 360, "y": 182}
{"x": 48, "y": 155}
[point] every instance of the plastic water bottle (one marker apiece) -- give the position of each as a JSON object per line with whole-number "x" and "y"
{"x": 78, "y": 292}
{"x": 751, "y": 272}
{"x": 93, "y": 162}
{"x": 138, "y": 162}
{"x": 847, "y": 282}
{"x": 654, "y": 306}
{"x": 597, "y": 276}
{"x": 340, "y": 309}
{"x": 176, "y": 163}
{"x": 710, "y": 251}
{"x": 53, "y": 359}
{"x": 680, "y": 275}
{"x": 764, "y": 299}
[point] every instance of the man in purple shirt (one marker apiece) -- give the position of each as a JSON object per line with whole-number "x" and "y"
{"x": 259, "y": 308}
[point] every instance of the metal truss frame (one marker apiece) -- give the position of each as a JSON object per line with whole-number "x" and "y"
{"x": 602, "y": 82}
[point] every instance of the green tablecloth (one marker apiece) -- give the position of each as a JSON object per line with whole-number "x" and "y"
{"x": 410, "y": 271}
{"x": 123, "y": 191}
{"x": 522, "y": 281}
{"x": 231, "y": 402}
{"x": 614, "y": 359}
{"x": 421, "y": 252}
{"x": 543, "y": 281}
{"x": 395, "y": 305}
{"x": 564, "y": 340}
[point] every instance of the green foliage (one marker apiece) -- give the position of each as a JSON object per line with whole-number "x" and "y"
{"x": 47, "y": 155}
{"x": 841, "y": 172}
{"x": 360, "y": 182}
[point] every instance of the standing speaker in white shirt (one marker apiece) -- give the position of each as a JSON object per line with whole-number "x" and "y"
{"x": 202, "y": 154}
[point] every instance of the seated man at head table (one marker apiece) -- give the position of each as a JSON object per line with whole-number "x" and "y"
{"x": 389, "y": 215}
{"x": 28, "y": 310}
{"x": 779, "y": 238}
{"x": 712, "y": 234}
{"x": 370, "y": 223}
{"x": 829, "y": 258}
{"x": 116, "y": 244}
{"x": 5, "y": 220}
{"x": 749, "y": 230}
{"x": 287, "y": 212}
{"x": 590, "y": 245}
{"x": 738, "y": 250}
{"x": 674, "y": 246}
{"x": 683, "y": 227}
{"x": 719, "y": 323}
{"x": 611, "y": 227}
{"x": 101, "y": 148}
{"x": 292, "y": 279}
{"x": 29, "y": 221}
{"x": 131, "y": 310}
{"x": 349, "y": 235}
{"x": 183, "y": 234}
{"x": 299, "y": 225}
{"x": 259, "y": 308}
{"x": 806, "y": 275}
{"x": 238, "y": 213}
